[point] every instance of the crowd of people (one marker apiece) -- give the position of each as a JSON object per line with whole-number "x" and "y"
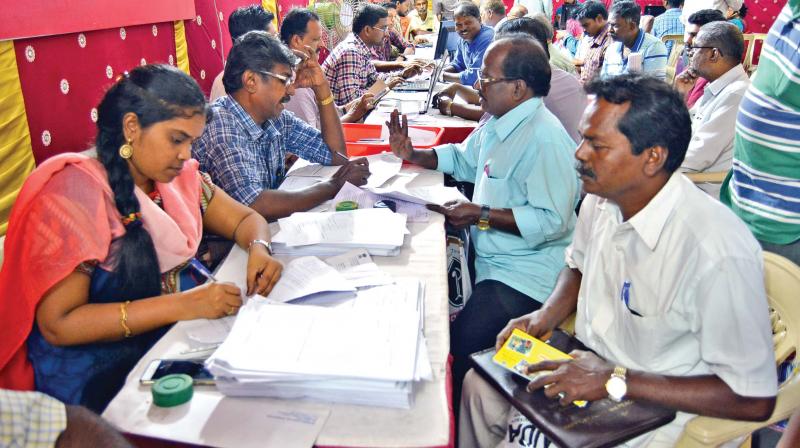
{"x": 584, "y": 202}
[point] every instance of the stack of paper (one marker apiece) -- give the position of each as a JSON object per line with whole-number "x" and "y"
{"x": 379, "y": 231}
{"x": 368, "y": 351}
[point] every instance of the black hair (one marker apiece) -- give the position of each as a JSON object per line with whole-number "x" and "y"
{"x": 368, "y": 15}
{"x": 675, "y": 3}
{"x": 526, "y": 60}
{"x": 704, "y": 16}
{"x": 743, "y": 11}
{"x": 155, "y": 93}
{"x": 526, "y": 26}
{"x": 255, "y": 51}
{"x": 628, "y": 10}
{"x": 389, "y": 5}
{"x": 464, "y": 9}
{"x": 248, "y": 18}
{"x": 295, "y": 23}
{"x": 590, "y": 10}
{"x": 726, "y": 37}
{"x": 657, "y": 115}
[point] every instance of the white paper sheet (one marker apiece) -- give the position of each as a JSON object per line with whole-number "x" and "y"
{"x": 358, "y": 268}
{"x": 305, "y": 276}
{"x": 382, "y": 167}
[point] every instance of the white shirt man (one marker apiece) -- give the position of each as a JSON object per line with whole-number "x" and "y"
{"x": 713, "y": 126}
{"x": 692, "y": 6}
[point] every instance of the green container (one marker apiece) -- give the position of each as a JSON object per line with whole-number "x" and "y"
{"x": 172, "y": 390}
{"x": 346, "y": 206}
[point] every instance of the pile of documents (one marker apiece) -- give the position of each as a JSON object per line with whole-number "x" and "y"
{"x": 365, "y": 351}
{"x": 379, "y": 231}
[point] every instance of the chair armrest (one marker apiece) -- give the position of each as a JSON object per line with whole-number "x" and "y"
{"x": 709, "y": 431}
{"x": 568, "y": 324}
{"x": 713, "y": 177}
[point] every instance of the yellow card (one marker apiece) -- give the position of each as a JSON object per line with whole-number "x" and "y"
{"x": 522, "y": 350}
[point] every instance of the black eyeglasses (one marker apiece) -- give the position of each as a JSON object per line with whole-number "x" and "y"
{"x": 691, "y": 48}
{"x": 487, "y": 81}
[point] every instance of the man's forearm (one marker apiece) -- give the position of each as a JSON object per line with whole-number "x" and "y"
{"x": 276, "y": 204}
{"x": 705, "y": 395}
{"x": 330, "y": 125}
{"x": 563, "y": 301}
{"x": 467, "y": 111}
{"x": 388, "y": 66}
{"x": 451, "y": 77}
{"x": 425, "y": 158}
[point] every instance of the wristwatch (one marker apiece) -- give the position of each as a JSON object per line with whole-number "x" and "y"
{"x": 266, "y": 244}
{"x": 483, "y": 221}
{"x": 616, "y": 385}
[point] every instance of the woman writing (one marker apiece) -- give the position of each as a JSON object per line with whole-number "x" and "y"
{"x": 98, "y": 251}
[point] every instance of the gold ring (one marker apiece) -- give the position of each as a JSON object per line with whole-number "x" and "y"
{"x": 231, "y": 311}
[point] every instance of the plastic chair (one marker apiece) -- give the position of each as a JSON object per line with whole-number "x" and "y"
{"x": 750, "y": 41}
{"x": 782, "y": 280}
{"x": 674, "y": 54}
{"x": 713, "y": 177}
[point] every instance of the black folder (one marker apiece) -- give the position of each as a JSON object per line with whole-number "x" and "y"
{"x": 602, "y": 423}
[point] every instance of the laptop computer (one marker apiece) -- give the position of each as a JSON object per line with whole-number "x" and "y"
{"x": 424, "y": 84}
{"x": 437, "y": 73}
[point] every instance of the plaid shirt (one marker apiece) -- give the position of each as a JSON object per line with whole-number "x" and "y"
{"x": 244, "y": 158}
{"x": 595, "y": 54}
{"x": 349, "y": 69}
{"x": 30, "y": 419}
{"x": 668, "y": 23}
{"x": 391, "y": 39}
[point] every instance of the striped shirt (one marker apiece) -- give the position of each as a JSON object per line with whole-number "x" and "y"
{"x": 668, "y": 23}
{"x": 244, "y": 158}
{"x": 595, "y": 54}
{"x": 391, "y": 39}
{"x": 764, "y": 185}
{"x": 653, "y": 51}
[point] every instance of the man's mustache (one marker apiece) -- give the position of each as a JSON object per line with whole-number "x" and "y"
{"x": 583, "y": 171}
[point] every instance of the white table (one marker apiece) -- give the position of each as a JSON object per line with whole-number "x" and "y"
{"x": 211, "y": 418}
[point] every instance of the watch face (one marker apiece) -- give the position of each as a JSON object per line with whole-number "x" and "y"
{"x": 616, "y": 388}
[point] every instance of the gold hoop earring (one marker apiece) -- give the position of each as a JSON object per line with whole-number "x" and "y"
{"x": 126, "y": 150}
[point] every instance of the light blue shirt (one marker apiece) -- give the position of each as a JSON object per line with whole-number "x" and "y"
{"x": 469, "y": 55}
{"x": 522, "y": 161}
{"x": 654, "y": 57}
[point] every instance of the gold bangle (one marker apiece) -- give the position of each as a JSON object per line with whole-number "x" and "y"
{"x": 449, "y": 109}
{"x": 326, "y": 101}
{"x": 123, "y": 318}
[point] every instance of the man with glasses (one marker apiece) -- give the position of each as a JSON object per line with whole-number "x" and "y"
{"x": 633, "y": 49}
{"x": 475, "y": 38}
{"x": 522, "y": 214}
{"x": 716, "y": 55}
{"x": 349, "y": 68}
{"x": 688, "y": 83}
{"x": 244, "y": 146}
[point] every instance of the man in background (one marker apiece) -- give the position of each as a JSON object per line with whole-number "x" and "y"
{"x": 242, "y": 20}
{"x": 688, "y": 83}
{"x": 669, "y": 22}
{"x": 475, "y": 38}
{"x": 301, "y": 29}
{"x": 633, "y": 49}
{"x": 593, "y": 17}
{"x": 493, "y": 13}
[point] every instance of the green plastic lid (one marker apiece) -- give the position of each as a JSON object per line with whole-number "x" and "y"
{"x": 172, "y": 390}
{"x": 346, "y": 206}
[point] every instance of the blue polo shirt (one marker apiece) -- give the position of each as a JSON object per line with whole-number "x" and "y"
{"x": 469, "y": 55}
{"x": 654, "y": 57}
{"x": 522, "y": 161}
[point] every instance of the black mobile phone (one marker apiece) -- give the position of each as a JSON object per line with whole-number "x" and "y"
{"x": 159, "y": 368}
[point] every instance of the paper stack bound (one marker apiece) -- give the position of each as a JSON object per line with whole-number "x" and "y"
{"x": 379, "y": 231}
{"x": 368, "y": 351}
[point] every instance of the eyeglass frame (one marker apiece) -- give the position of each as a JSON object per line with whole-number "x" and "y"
{"x": 490, "y": 81}
{"x": 691, "y": 48}
{"x": 286, "y": 80}
{"x": 384, "y": 30}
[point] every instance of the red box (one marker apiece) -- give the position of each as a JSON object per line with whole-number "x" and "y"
{"x": 353, "y": 132}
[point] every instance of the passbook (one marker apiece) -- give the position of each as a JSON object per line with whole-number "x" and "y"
{"x": 601, "y": 423}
